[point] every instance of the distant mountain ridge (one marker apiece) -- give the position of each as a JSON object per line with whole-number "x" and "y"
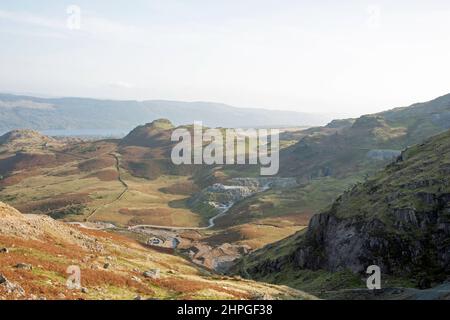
{"x": 84, "y": 113}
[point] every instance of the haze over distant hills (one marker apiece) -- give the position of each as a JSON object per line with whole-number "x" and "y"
{"x": 83, "y": 113}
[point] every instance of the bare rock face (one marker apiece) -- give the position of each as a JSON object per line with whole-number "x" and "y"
{"x": 418, "y": 244}
{"x": 383, "y": 154}
{"x": 415, "y": 243}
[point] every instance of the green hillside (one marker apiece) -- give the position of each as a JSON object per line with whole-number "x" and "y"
{"x": 328, "y": 160}
{"x": 362, "y": 145}
{"x": 399, "y": 219}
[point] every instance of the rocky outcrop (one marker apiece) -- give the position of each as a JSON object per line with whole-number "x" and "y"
{"x": 265, "y": 182}
{"x": 218, "y": 258}
{"x": 221, "y": 197}
{"x": 11, "y": 288}
{"x": 36, "y": 227}
{"x": 383, "y": 154}
{"x": 418, "y": 242}
{"x": 412, "y": 244}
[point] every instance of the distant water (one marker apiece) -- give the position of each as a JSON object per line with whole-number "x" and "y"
{"x": 94, "y": 133}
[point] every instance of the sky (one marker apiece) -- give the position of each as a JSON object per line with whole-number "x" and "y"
{"x": 344, "y": 58}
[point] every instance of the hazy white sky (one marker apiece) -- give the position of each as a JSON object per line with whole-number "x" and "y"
{"x": 340, "y": 57}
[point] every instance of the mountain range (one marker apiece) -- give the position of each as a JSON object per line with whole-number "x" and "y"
{"x": 19, "y": 112}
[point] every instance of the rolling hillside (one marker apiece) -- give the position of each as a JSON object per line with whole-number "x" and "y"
{"x": 362, "y": 145}
{"x": 36, "y": 251}
{"x": 328, "y": 160}
{"x": 398, "y": 219}
{"x": 127, "y": 182}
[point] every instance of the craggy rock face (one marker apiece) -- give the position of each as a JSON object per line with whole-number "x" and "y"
{"x": 411, "y": 243}
{"x": 417, "y": 242}
{"x": 334, "y": 244}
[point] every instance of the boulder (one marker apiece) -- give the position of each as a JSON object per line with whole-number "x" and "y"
{"x": 153, "y": 274}
{"x": 11, "y": 287}
{"x": 23, "y": 266}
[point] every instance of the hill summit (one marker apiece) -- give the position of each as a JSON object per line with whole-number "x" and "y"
{"x": 25, "y": 137}
{"x": 154, "y": 134}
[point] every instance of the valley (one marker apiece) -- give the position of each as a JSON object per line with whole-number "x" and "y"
{"x": 296, "y": 228}
{"x": 109, "y": 184}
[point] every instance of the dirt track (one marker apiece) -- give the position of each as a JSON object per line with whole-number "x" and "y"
{"x": 120, "y": 196}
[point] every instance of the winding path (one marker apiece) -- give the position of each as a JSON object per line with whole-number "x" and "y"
{"x": 120, "y": 196}
{"x": 211, "y": 224}
{"x": 211, "y": 221}
{"x": 168, "y": 228}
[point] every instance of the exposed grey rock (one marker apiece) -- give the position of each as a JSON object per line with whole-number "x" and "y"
{"x": 223, "y": 264}
{"x": 265, "y": 182}
{"x": 23, "y": 266}
{"x": 410, "y": 241}
{"x": 10, "y": 287}
{"x": 223, "y": 196}
{"x": 405, "y": 217}
{"x": 428, "y": 198}
{"x": 383, "y": 154}
{"x": 153, "y": 274}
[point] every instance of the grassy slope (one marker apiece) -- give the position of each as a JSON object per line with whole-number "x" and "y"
{"x": 423, "y": 170}
{"x": 51, "y": 247}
